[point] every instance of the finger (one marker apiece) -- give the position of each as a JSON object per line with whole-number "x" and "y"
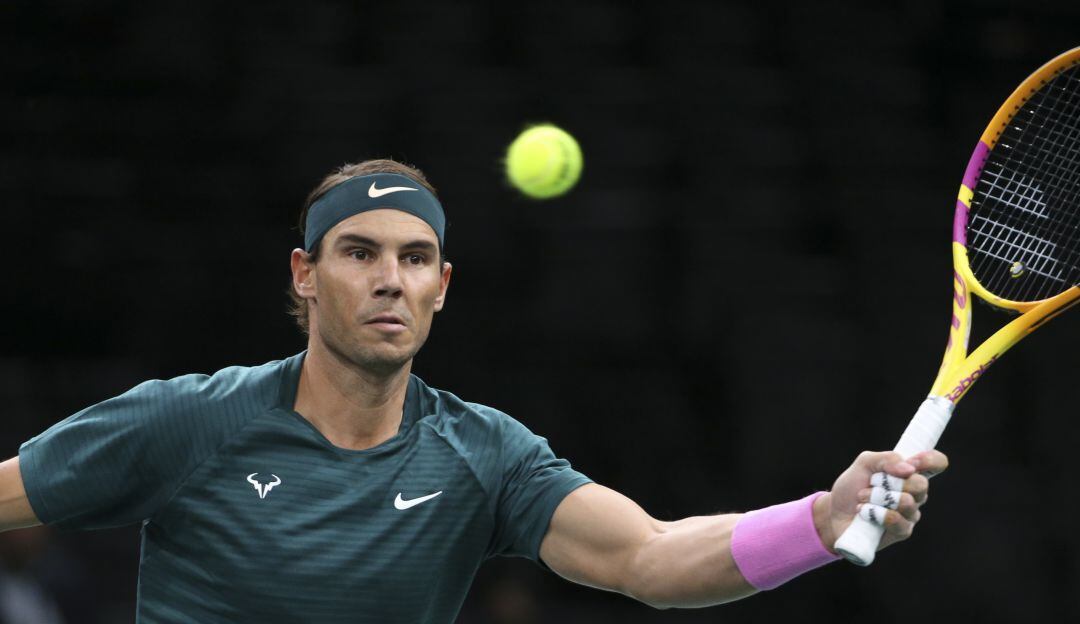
{"x": 898, "y": 526}
{"x": 889, "y": 482}
{"x": 902, "y": 502}
{"x": 875, "y": 514}
{"x": 918, "y": 486}
{"x": 886, "y": 461}
{"x": 884, "y": 498}
{"x": 902, "y": 469}
{"x": 930, "y": 463}
{"x": 895, "y": 524}
{"x": 907, "y": 507}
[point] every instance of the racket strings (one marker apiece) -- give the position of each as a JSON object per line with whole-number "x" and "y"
{"x": 1022, "y": 193}
{"x": 1024, "y": 223}
{"x": 1066, "y": 134}
{"x": 1025, "y": 195}
{"x": 1064, "y": 173}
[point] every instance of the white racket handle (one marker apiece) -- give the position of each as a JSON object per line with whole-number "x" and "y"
{"x": 859, "y": 542}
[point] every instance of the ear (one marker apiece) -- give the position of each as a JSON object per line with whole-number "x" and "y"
{"x": 444, "y": 284}
{"x": 303, "y": 273}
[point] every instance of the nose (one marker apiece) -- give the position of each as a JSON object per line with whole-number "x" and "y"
{"x": 388, "y": 279}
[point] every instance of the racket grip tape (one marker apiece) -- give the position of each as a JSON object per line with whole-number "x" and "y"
{"x": 860, "y": 541}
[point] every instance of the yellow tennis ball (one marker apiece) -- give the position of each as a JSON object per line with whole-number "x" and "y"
{"x": 544, "y": 161}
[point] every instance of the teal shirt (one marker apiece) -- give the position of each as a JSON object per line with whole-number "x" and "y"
{"x": 249, "y": 514}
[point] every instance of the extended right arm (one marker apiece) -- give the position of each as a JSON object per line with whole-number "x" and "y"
{"x": 15, "y": 510}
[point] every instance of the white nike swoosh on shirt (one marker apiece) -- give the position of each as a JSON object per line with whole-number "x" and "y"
{"x": 401, "y": 503}
{"x": 379, "y": 192}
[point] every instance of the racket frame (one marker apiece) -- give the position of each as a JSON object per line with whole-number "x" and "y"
{"x": 959, "y": 370}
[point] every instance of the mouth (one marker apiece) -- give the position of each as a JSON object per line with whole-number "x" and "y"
{"x": 387, "y": 318}
{"x": 390, "y": 323}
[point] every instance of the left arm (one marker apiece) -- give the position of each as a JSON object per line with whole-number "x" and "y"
{"x": 600, "y": 538}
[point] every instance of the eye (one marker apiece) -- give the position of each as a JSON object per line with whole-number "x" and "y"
{"x": 360, "y": 254}
{"x": 416, "y": 259}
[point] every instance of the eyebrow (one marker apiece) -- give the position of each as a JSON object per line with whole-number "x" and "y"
{"x": 356, "y": 239}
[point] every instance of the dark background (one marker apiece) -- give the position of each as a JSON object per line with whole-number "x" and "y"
{"x": 750, "y": 284}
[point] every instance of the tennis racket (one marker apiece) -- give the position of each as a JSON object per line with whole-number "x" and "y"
{"x": 1016, "y": 244}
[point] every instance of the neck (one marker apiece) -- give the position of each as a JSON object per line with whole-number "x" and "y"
{"x": 352, "y": 407}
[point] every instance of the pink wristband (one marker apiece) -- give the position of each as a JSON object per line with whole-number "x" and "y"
{"x": 771, "y": 546}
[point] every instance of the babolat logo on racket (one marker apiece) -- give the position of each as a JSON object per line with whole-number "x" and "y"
{"x": 966, "y": 382}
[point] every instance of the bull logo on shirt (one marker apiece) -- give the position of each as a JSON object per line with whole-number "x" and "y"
{"x": 263, "y": 488}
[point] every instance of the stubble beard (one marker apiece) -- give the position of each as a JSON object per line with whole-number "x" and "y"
{"x": 379, "y": 360}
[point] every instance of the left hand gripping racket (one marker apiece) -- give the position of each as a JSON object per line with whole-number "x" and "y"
{"x": 1016, "y": 244}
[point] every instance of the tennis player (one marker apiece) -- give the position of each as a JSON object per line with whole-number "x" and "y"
{"x": 334, "y": 486}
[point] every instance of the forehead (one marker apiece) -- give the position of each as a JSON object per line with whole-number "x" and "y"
{"x": 385, "y": 225}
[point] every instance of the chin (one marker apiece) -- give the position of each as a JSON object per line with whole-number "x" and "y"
{"x": 382, "y": 358}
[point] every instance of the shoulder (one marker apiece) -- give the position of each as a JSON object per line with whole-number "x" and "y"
{"x": 488, "y": 439}
{"x": 464, "y": 423}
{"x": 231, "y": 395}
{"x": 496, "y": 447}
{"x": 257, "y": 385}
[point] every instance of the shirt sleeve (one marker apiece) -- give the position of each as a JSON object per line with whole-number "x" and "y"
{"x": 532, "y": 483}
{"x": 116, "y": 462}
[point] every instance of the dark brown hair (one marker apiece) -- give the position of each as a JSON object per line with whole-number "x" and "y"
{"x": 298, "y": 306}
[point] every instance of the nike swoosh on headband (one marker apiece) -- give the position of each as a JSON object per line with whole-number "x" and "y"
{"x": 379, "y": 192}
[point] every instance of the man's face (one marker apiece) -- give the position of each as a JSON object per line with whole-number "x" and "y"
{"x": 375, "y": 288}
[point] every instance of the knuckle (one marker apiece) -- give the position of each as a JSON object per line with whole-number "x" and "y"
{"x": 900, "y": 526}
